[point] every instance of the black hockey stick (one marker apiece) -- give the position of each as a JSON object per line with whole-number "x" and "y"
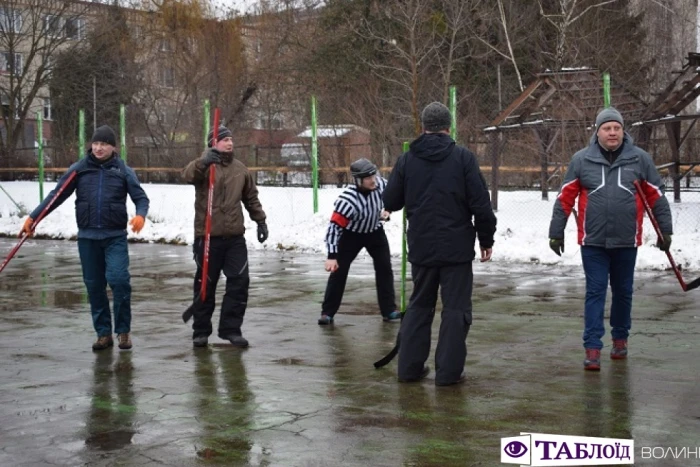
{"x": 686, "y": 287}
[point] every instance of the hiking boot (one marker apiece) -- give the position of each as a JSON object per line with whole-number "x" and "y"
{"x": 423, "y": 374}
{"x": 236, "y": 340}
{"x": 124, "y": 341}
{"x": 200, "y": 341}
{"x": 459, "y": 380}
{"x": 619, "y": 349}
{"x": 102, "y": 343}
{"x": 325, "y": 319}
{"x": 592, "y": 361}
{"x": 393, "y": 317}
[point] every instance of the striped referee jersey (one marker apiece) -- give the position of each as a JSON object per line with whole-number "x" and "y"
{"x": 356, "y": 212}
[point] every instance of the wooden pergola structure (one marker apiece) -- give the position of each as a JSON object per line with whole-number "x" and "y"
{"x": 666, "y": 110}
{"x": 556, "y": 104}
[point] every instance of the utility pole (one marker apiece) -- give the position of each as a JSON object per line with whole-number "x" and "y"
{"x": 94, "y": 103}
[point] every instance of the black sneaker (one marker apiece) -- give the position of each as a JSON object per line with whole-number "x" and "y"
{"x": 236, "y": 341}
{"x": 200, "y": 341}
{"x": 393, "y": 317}
{"x": 459, "y": 380}
{"x": 325, "y": 320}
{"x": 423, "y": 374}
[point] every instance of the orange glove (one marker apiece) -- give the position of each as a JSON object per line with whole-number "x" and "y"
{"x": 27, "y": 228}
{"x": 136, "y": 223}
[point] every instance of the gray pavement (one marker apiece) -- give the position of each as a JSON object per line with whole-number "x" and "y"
{"x": 306, "y": 395}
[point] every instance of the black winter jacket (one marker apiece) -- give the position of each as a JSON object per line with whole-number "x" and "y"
{"x": 442, "y": 188}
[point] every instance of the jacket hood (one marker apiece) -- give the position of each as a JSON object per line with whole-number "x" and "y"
{"x": 432, "y": 146}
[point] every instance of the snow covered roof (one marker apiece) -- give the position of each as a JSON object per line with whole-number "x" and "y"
{"x": 331, "y": 131}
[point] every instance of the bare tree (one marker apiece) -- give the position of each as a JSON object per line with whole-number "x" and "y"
{"x": 568, "y": 12}
{"x": 406, "y": 43}
{"x": 31, "y": 31}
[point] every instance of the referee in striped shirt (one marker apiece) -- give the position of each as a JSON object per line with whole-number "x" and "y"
{"x": 356, "y": 223}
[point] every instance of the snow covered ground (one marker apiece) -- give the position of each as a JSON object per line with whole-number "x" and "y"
{"x": 523, "y": 222}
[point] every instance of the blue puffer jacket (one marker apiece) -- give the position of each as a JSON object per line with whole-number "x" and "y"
{"x": 610, "y": 210}
{"x": 101, "y": 191}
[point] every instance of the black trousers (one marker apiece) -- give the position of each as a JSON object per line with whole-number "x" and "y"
{"x": 230, "y": 255}
{"x": 350, "y": 245}
{"x": 455, "y": 283}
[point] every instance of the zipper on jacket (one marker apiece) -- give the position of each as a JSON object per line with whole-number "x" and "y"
{"x": 99, "y": 200}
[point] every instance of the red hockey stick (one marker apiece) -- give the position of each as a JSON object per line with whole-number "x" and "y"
{"x": 38, "y": 219}
{"x": 207, "y": 229}
{"x": 686, "y": 287}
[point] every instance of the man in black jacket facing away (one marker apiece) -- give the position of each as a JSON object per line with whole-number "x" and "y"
{"x": 442, "y": 188}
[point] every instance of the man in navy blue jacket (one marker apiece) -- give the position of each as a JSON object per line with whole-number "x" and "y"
{"x": 442, "y": 188}
{"x": 101, "y": 184}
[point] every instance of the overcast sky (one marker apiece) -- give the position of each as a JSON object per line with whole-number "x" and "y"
{"x": 240, "y": 5}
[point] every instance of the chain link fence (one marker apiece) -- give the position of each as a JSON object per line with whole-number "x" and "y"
{"x": 528, "y": 160}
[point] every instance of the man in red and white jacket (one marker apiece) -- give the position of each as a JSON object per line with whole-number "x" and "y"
{"x": 609, "y": 221}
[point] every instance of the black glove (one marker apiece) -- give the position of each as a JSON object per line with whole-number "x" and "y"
{"x": 664, "y": 244}
{"x": 557, "y": 245}
{"x": 212, "y": 156}
{"x": 262, "y": 232}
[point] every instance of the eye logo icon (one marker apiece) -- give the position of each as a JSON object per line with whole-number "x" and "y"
{"x": 515, "y": 449}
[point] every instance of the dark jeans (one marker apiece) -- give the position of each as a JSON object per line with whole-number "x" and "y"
{"x": 107, "y": 262}
{"x": 455, "y": 283}
{"x": 230, "y": 255}
{"x": 617, "y": 265}
{"x": 378, "y": 248}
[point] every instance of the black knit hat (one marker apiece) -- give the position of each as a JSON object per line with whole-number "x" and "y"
{"x": 223, "y": 133}
{"x": 104, "y": 134}
{"x": 436, "y": 117}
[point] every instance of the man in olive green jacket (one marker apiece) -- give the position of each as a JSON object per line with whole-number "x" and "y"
{"x": 233, "y": 186}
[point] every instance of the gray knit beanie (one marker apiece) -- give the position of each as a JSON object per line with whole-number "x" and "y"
{"x": 609, "y": 114}
{"x": 436, "y": 117}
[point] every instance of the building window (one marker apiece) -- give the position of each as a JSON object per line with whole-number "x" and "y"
{"x": 53, "y": 25}
{"x": 47, "y": 108}
{"x": 71, "y": 28}
{"x": 167, "y": 77}
{"x": 10, "y": 20}
{"x": 276, "y": 123}
{"x": 137, "y": 32}
{"x": 5, "y": 102}
{"x": 165, "y": 45}
{"x": 75, "y": 28}
{"x": 10, "y": 63}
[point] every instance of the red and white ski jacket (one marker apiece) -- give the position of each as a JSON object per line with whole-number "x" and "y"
{"x": 610, "y": 211}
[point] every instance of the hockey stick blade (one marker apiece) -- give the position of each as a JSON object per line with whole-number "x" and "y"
{"x": 390, "y": 356}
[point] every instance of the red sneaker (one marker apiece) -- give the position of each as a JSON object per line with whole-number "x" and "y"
{"x": 619, "y": 349}
{"x": 592, "y": 361}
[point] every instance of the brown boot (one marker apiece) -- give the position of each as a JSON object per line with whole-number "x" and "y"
{"x": 102, "y": 343}
{"x": 124, "y": 341}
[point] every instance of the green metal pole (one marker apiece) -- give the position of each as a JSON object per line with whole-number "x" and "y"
{"x": 207, "y": 112}
{"x": 404, "y": 250}
{"x": 40, "y": 142}
{"x": 453, "y": 111}
{"x": 81, "y": 133}
{"x": 314, "y": 152}
{"x": 122, "y": 128}
{"x": 606, "y": 89}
